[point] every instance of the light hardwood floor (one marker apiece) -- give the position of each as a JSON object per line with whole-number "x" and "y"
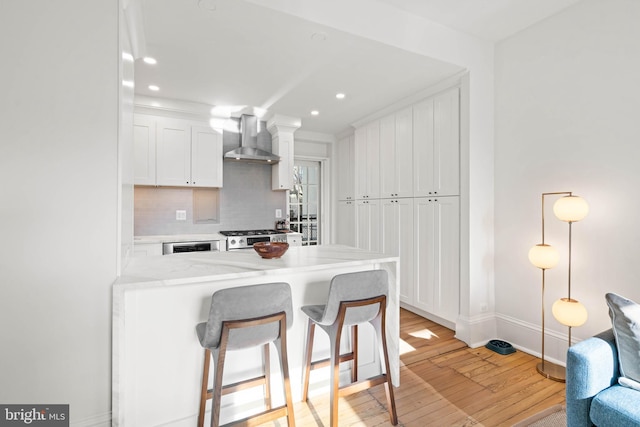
{"x": 444, "y": 383}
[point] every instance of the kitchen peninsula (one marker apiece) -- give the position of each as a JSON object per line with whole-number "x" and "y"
{"x": 157, "y": 302}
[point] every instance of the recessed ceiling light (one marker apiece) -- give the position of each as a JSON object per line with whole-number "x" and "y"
{"x": 315, "y": 112}
{"x": 319, "y": 37}
{"x": 149, "y": 60}
{"x": 340, "y": 95}
{"x": 154, "y": 88}
{"x": 209, "y": 5}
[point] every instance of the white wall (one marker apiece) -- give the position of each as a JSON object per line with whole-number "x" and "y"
{"x": 567, "y": 106}
{"x": 59, "y": 208}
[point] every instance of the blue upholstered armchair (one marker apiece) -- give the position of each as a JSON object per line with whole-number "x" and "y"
{"x": 594, "y": 396}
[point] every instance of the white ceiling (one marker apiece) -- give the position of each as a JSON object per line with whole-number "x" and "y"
{"x": 243, "y": 54}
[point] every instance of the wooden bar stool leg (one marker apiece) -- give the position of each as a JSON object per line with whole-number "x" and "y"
{"x": 217, "y": 384}
{"x": 335, "y": 335}
{"x": 284, "y": 366}
{"x": 267, "y": 376}
{"x": 205, "y": 387}
{"x": 311, "y": 327}
{"x": 354, "y": 350}
{"x": 379, "y": 326}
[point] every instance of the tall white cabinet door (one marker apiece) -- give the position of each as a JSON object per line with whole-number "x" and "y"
{"x": 206, "y": 157}
{"x": 388, "y": 159}
{"x": 144, "y": 150}
{"x": 368, "y": 225}
{"x": 404, "y": 152}
{"x": 173, "y": 153}
{"x": 446, "y": 137}
{"x": 448, "y": 284}
{"x": 423, "y": 178}
{"x": 367, "y": 161}
{"x": 346, "y": 223}
{"x": 436, "y": 252}
{"x": 346, "y": 190}
{"x": 373, "y": 160}
{"x": 397, "y": 240}
{"x": 396, "y": 155}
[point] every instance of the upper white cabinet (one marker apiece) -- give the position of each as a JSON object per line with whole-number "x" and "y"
{"x": 436, "y": 145}
{"x": 282, "y": 129}
{"x": 144, "y": 150}
{"x": 174, "y": 152}
{"x": 282, "y": 172}
{"x": 396, "y": 155}
{"x": 346, "y": 170}
{"x": 206, "y": 156}
{"x": 367, "y": 161}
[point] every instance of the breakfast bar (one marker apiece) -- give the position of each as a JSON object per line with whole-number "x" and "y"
{"x": 158, "y": 300}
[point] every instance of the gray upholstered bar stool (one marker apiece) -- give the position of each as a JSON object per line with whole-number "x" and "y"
{"x": 354, "y": 298}
{"x": 243, "y": 317}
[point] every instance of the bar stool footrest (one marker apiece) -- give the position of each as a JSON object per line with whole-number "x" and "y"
{"x": 260, "y": 418}
{"x": 347, "y": 357}
{"x": 362, "y": 385}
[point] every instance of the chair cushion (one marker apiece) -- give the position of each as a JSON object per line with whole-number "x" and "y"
{"x": 616, "y": 406}
{"x": 625, "y": 318}
{"x": 242, "y": 303}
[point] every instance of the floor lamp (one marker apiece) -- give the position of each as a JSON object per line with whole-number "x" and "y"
{"x": 567, "y": 311}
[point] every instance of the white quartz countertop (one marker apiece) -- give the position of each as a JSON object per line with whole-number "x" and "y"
{"x": 168, "y": 238}
{"x": 198, "y": 267}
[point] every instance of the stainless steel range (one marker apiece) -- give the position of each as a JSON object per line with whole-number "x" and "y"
{"x": 244, "y": 239}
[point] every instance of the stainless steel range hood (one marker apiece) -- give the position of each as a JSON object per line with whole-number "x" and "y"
{"x": 248, "y": 150}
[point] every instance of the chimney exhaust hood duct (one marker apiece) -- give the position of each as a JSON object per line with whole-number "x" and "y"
{"x": 248, "y": 150}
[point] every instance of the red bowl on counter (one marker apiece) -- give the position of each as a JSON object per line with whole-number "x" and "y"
{"x": 270, "y": 250}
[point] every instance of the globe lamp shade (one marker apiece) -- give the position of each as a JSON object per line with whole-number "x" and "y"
{"x": 569, "y": 312}
{"x": 544, "y": 256}
{"x": 570, "y": 208}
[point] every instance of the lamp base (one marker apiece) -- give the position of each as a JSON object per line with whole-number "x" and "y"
{"x": 552, "y": 371}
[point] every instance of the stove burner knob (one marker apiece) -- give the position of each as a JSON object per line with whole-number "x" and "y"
{"x": 233, "y": 241}
{"x": 241, "y": 241}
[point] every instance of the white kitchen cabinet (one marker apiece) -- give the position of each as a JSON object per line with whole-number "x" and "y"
{"x": 396, "y": 154}
{"x": 368, "y": 225}
{"x": 346, "y": 170}
{"x": 436, "y": 145}
{"x": 282, "y": 172}
{"x": 346, "y": 223}
{"x": 437, "y": 256}
{"x": 367, "y": 161}
{"x": 282, "y": 129}
{"x": 175, "y": 152}
{"x": 397, "y": 240}
{"x": 206, "y": 157}
{"x": 144, "y": 150}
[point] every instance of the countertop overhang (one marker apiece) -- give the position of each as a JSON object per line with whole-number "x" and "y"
{"x": 195, "y": 267}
